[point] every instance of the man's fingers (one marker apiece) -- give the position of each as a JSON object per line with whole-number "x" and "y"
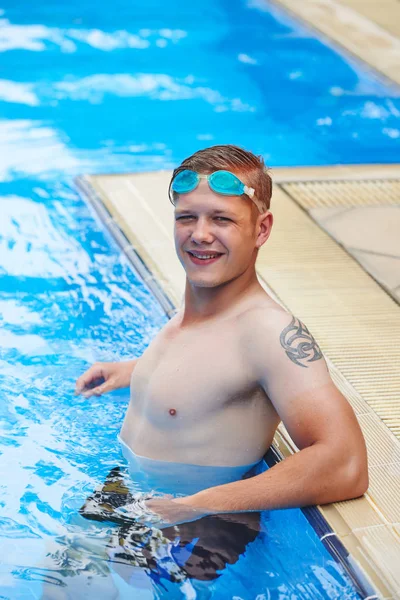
{"x": 99, "y": 390}
{"x": 95, "y": 372}
{"x": 102, "y": 389}
{"x": 80, "y": 384}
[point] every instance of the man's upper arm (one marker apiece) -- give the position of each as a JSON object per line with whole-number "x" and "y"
{"x": 293, "y": 372}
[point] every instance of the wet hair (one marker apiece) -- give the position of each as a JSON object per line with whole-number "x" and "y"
{"x": 230, "y": 158}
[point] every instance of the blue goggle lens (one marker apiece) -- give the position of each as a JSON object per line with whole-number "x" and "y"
{"x": 224, "y": 182}
{"x": 185, "y": 181}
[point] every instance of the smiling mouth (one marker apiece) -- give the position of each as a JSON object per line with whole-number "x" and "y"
{"x": 204, "y": 258}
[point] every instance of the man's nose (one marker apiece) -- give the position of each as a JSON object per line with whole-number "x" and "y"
{"x": 202, "y": 231}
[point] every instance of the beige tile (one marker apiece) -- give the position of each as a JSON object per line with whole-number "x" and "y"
{"x": 385, "y": 13}
{"x": 372, "y": 228}
{"x": 282, "y": 446}
{"x": 384, "y": 491}
{"x": 335, "y": 519}
{"x": 358, "y": 404}
{"x": 384, "y": 269}
{"x": 383, "y": 447}
{"x": 325, "y": 213}
{"x": 334, "y": 173}
{"x": 361, "y": 556}
{"x": 382, "y": 547}
{"x": 346, "y": 193}
{"x": 360, "y": 513}
{"x": 286, "y": 439}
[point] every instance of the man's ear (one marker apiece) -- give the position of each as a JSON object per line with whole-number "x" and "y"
{"x": 264, "y": 227}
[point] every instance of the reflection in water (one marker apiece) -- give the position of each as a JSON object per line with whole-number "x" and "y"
{"x": 130, "y": 549}
{"x": 206, "y": 546}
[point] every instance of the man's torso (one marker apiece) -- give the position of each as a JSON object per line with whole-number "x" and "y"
{"x": 194, "y": 398}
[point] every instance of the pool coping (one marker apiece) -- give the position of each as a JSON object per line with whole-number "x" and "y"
{"x": 352, "y": 27}
{"x": 140, "y": 229}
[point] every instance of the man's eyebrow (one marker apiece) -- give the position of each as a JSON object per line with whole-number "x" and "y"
{"x": 216, "y": 211}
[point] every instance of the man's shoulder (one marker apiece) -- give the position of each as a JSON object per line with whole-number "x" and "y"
{"x": 264, "y": 319}
{"x": 277, "y": 342}
{"x": 260, "y": 329}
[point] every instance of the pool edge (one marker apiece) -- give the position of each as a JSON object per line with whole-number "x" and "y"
{"x": 353, "y": 29}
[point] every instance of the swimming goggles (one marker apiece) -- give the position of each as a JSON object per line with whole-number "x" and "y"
{"x": 221, "y": 182}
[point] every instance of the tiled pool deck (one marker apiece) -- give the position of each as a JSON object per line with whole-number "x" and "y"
{"x": 334, "y": 260}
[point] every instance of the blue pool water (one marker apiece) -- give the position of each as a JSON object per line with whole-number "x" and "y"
{"x": 141, "y": 86}
{"x": 137, "y": 86}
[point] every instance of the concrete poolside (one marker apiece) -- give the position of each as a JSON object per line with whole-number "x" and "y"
{"x": 314, "y": 264}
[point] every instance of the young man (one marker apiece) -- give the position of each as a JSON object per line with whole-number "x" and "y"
{"x": 213, "y": 385}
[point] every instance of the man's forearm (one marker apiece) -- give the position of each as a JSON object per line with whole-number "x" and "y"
{"x": 311, "y": 476}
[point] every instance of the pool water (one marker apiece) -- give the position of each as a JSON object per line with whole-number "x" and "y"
{"x": 68, "y": 298}
{"x": 139, "y": 87}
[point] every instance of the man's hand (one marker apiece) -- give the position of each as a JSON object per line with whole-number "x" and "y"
{"x": 105, "y": 377}
{"x": 174, "y": 511}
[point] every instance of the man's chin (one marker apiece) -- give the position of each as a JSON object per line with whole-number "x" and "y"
{"x": 203, "y": 282}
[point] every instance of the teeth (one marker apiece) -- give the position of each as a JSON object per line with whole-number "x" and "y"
{"x": 204, "y": 256}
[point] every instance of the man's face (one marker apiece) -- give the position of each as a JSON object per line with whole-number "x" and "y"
{"x": 211, "y": 225}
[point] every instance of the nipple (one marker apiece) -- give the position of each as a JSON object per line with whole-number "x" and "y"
{"x": 172, "y": 412}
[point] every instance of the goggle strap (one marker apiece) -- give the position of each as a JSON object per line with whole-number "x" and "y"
{"x": 249, "y": 191}
{"x": 260, "y": 205}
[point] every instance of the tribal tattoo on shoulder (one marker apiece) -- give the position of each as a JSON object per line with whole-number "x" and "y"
{"x": 299, "y": 344}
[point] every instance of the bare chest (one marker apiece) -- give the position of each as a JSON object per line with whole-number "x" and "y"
{"x": 194, "y": 374}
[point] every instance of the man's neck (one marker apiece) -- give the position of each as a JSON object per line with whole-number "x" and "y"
{"x": 205, "y": 303}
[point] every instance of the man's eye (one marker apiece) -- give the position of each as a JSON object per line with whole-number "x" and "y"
{"x": 223, "y": 219}
{"x": 184, "y": 217}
